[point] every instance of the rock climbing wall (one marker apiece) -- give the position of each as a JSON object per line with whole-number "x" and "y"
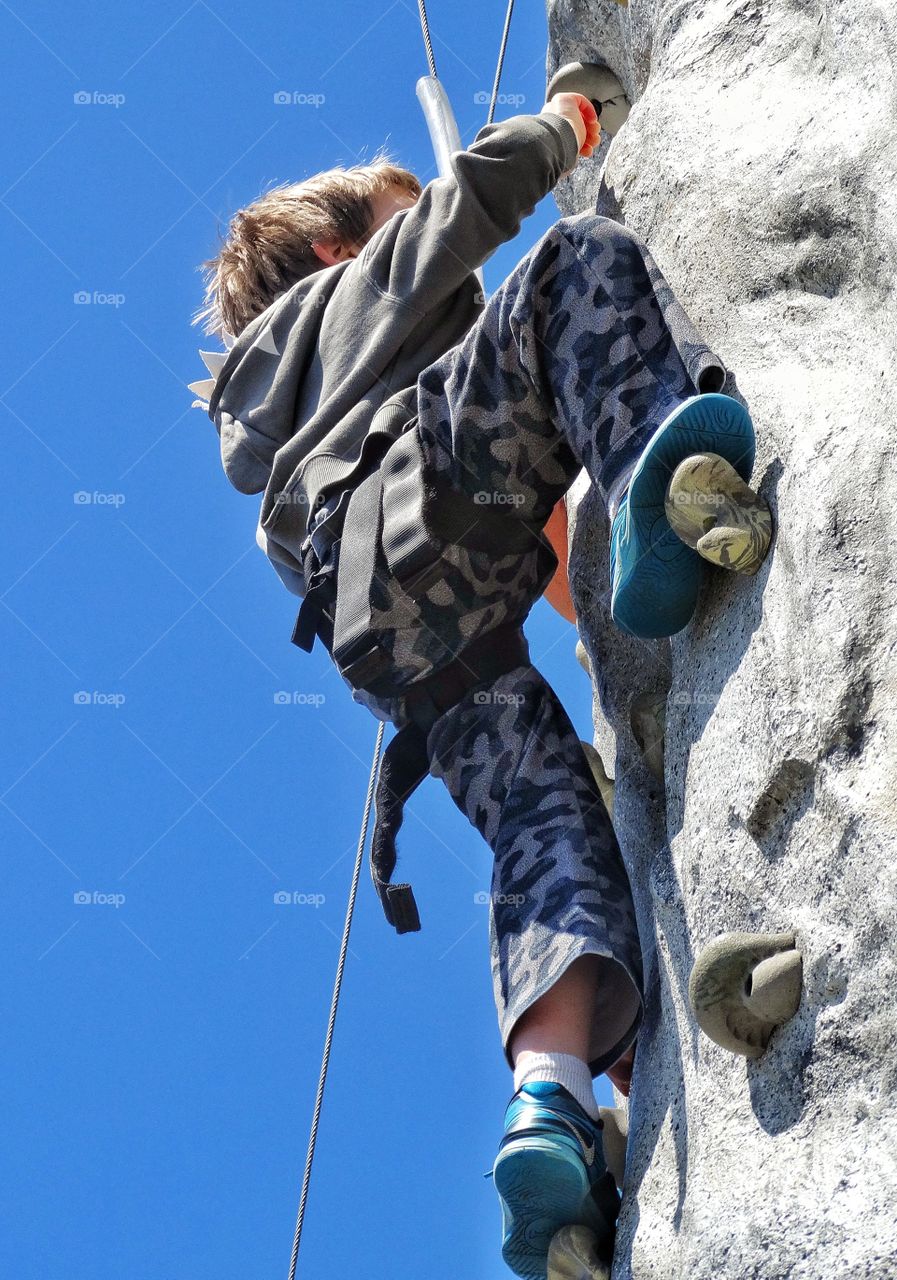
{"x": 760, "y": 164}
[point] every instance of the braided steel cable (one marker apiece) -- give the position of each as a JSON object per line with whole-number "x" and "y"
{"x": 344, "y": 947}
{"x": 431, "y": 60}
{"x": 501, "y": 61}
{"x": 425, "y": 30}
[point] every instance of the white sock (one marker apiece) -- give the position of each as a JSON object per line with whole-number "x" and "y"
{"x": 561, "y": 1068}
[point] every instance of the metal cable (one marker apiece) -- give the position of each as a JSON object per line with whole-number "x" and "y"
{"x": 344, "y": 946}
{"x": 428, "y": 43}
{"x": 501, "y": 60}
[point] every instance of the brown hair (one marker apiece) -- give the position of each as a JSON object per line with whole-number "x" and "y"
{"x": 268, "y": 246}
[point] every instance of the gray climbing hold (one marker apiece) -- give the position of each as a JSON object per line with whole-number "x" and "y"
{"x": 743, "y": 986}
{"x": 615, "y": 1136}
{"x": 597, "y": 83}
{"x": 715, "y": 513}
{"x": 573, "y": 1255}
{"x": 647, "y": 719}
{"x": 599, "y": 773}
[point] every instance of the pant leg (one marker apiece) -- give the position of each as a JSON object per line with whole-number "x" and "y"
{"x": 513, "y": 763}
{"x": 577, "y": 358}
{"x": 575, "y": 361}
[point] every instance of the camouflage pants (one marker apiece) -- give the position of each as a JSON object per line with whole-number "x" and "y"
{"x": 574, "y": 362}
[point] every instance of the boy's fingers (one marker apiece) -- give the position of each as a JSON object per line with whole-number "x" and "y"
{"x": 589, "y": 114}
{"x": 592, "y": 124}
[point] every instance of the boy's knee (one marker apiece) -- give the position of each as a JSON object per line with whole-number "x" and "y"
{"x": 582, "y": 229}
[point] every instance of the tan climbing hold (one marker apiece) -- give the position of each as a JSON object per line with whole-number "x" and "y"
{"x": 582, "y": 657}
{"x": 647, "y": 719}
{"x": 573, "y": 1255}
{"x": 713, "y": 511}
{"x": 599, "y": 773}
{"x": 743, "y": 986}
{"x": 597, "y": 83}
{"x": 615, "y": 1136}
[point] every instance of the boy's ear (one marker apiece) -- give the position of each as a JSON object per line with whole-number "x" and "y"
{"x": 331, "y": 251}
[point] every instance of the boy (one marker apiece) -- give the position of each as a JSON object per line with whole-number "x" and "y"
{"x": 412, "y": 442}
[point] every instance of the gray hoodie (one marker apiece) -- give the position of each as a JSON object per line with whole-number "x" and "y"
{"x": 296, "y": 398}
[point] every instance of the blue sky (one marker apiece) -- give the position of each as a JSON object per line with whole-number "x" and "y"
{"x": 164, "y": 1035}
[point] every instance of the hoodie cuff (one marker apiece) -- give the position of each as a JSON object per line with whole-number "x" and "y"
{"x": 565, "y": 135}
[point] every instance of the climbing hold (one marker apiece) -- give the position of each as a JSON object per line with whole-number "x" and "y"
{"x": 597, "y": 83}
{"x": 615, "y": 1135}
{"x": 582, "y": 657}
{"x": 743, "y": 986}
{"x": 714, "y": 512}
{"x": 573, "y": 1255}
{"x": 599, "y": 773}
{"x": 647, "y": 719}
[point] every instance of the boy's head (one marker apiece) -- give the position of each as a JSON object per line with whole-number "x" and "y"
{"x": 294, "y": 230}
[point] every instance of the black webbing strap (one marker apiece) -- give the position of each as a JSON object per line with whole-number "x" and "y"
{"x": 315, "y": 617}
{"x": 406, "y": 763}
{"x": 355, "y": 651}
{"x": 403, "y": 766}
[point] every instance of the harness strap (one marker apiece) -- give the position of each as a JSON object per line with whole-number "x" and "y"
{"x": 406, "y": 761}
{"x": 414, "y": 514}
{"x": 403, "y": 767}
{"x": 315, "y": 616}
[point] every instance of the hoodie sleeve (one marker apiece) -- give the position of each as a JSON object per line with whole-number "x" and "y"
{"x": 421, "y": 257}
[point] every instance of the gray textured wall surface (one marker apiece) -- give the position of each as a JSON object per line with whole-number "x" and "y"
{"x": 760, "y": 165}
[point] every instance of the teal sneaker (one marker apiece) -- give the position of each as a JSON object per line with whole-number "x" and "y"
{"x": 655, "y": 577}
{"x": 550, "y": 1173}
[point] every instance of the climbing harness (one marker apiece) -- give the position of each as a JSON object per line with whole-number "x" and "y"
{"x": 402, "y": 767}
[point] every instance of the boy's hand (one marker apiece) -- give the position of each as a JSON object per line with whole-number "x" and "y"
{"x": 581, "y": 114}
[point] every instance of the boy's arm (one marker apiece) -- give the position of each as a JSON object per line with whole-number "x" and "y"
{"x": 421, "y": 256}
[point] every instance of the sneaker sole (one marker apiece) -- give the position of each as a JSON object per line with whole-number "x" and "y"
{"x": 546, "y": 1189}
{"x": 657, "y": 596}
